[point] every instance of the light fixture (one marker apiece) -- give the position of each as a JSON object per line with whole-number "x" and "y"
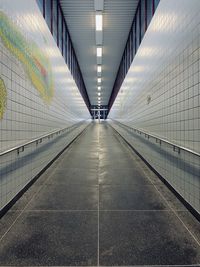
{"x": 99, "y": 88}
{"x": 99, "y": 98}
{"x": 99, "y": 102}
{"x": 99, "y": 51}
{"x": 99, "y": 22}
{"x": 99, "y": 68}
{"x": 99, "y": 80}
{"x": 99, "y": 94}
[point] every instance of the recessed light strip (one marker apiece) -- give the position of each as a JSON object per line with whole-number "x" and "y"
{"x": 99, "y": 5}
{"x": 99, "y": 22}
{"x": 99, "y": 51}
{"x": 99, "y": 68}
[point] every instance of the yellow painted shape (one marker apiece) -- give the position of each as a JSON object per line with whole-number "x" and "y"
{"x": 3, "y": 98}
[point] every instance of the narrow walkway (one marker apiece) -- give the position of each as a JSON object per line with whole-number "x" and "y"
{"x": 99, "y": 204}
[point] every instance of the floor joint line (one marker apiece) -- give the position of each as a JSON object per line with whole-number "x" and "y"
{"x": 98, "y": 200}
{"x": 164, "y": 199}
{"x": 22, "y": 211}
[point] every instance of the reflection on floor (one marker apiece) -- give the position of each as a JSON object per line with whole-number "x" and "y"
{"x": 98, "y": 204}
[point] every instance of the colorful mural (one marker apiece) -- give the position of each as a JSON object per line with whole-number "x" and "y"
{"x": 3, "y": 98}
{"x": 35, "y": 62}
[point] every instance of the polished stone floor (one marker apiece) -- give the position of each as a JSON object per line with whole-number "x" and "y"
{"x": 99, "y": 204}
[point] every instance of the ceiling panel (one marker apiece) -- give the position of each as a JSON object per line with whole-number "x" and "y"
{"x": 117, "y": 19}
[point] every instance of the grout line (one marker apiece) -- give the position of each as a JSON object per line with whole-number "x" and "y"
{"x": 42, "y": 186}
{"x": 175, "y": 213}
{"x": 192, "y": 235}
{"x": 128, "y": 184}
{"x": 125, "y": 210}
{"x": 98, "y": 199}
{"x": 165, "y": 200}
{"x": 27, "y": 211}
{"x": 146, "y": 265}
{"x": 67, "y": 151}
{"x": 34, "y": 195}
{"x": 101, "y": 184}
{"x": 100, "y": 210}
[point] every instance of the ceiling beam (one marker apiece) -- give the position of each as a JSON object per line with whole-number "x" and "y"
{"x": 98, "y": 5}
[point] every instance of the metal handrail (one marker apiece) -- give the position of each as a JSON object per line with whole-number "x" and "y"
{"x": 160, "y": 140}
{"x": 37, "y": 140}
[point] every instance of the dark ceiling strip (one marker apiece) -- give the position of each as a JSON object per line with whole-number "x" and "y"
{"x": 58, "y": 27}
{"x": 143, "y": 15}
{"x": 78, "y": 74}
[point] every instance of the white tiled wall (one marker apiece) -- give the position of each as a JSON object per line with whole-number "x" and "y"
{"x": 27, "y": 114}
{"x": 161, "y": 94}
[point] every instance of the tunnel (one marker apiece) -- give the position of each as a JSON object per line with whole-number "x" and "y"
{"x": 100, "y": 133}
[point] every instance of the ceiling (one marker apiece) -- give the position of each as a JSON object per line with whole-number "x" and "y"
{"x": 117, "y": 18}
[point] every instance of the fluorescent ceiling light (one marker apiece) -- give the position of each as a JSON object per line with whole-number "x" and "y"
{"x": 98, "y": 68}
{"x": 99, "y": 88}
{"x": 99, "y": 80}
{"x": 99, "y": 98}
{"x": 99, "y": 102}
{"x": 99, "y": 51}
{"x": 99, "y": 94}
{"x": 99, "y": 22}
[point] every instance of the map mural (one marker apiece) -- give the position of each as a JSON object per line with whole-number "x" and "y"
{"x": 3, "y": 98}
{"x": 35, "y": 62}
